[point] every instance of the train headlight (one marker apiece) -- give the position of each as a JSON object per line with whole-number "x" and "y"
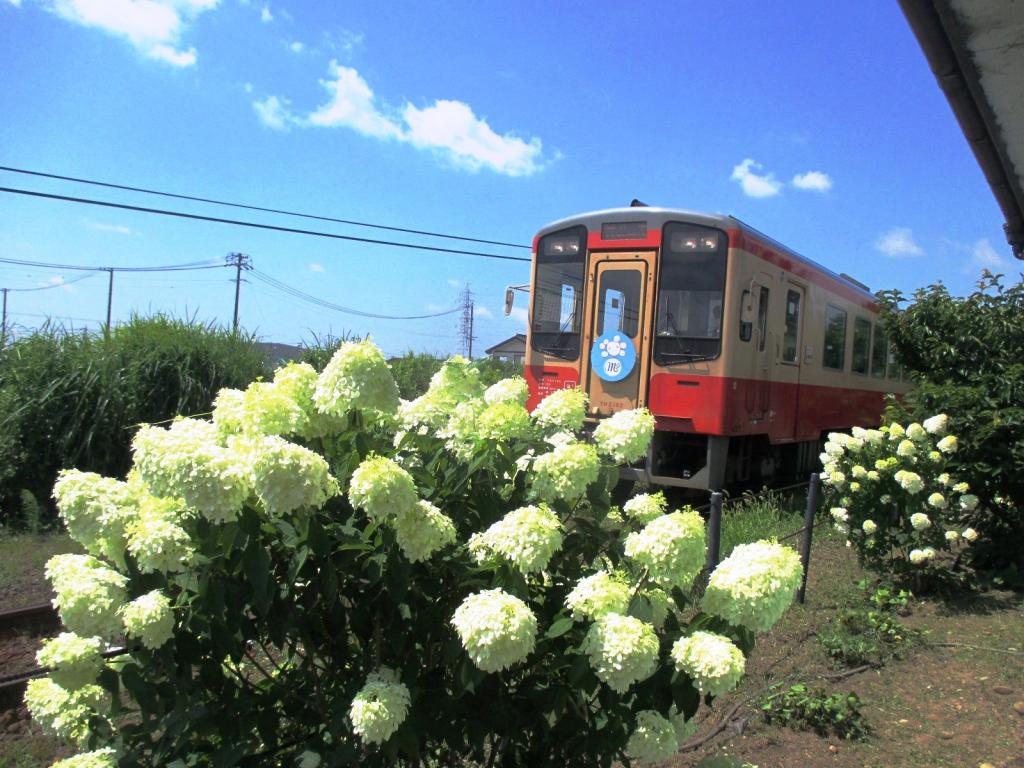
{"x": 692, "y": 239}
{"x": 560, "y": 246}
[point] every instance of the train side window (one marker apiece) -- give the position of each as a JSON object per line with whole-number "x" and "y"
{"x": 861, "y": 345}
{"x": 746, "y": 326}
{"x": 762, "y": 319}
{"x": 792, "y": 336}
{"x": 618, "y": 306}
{"x": 879, "y": 353}
{"x": 835, "y": 338}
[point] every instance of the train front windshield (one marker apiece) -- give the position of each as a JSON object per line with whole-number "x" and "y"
{"x": 558, "y": 293}
{"x": 691, "y": 291}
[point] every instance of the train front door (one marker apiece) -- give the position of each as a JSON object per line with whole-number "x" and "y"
{"x": 619, "y": 334}
{"x": 790, "y": 354}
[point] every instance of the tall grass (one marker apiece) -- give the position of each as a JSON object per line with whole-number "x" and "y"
{"x": 70, "y": 399}
{"x": 765, "y": 515}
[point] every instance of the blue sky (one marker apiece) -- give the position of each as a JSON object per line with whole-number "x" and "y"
{"x": 818, "y": 123}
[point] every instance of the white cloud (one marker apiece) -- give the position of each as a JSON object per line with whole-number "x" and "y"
{"x": 467, "y": 140}
{"x": 984, "y": 255}
{"x": 153, "y": 27}
{"x": 447, "y": 127}
{"x": 815, "y": 181}
{"x": 519, "y": 314}
{"x": 15, "y": 3}
{"x": 754, "y": 184}
{"x": 899, "y": 243}
{"x": 273, "y": 113}
{"x": 247, "y": 87}
{"x": 314, "y": 267}
{"x": 479, "y": 310}
{"x": 119, "y": 229}
{"x": 265, "y": 15}
{"x": 454, "y": 283}
{"x": 296, "y": 47}
{"x": 57, "y": 281}
{"x": 344, "y": 40}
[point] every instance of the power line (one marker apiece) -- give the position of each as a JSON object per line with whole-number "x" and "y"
{"x": 256, "y": 225}
{"x": 265, "y": 278}
{"x": 193, "y": 265}
{"x": 144, "y": 190}
{"x": 53, "y": 285}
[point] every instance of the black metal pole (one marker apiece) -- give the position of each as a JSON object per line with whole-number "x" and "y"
{"x": 714, "y": 532}
{"x": 805, "y": 541}
{"x": 110, "y": 296}
{"x": 238, "y": 287}
{"x": 3, "y": 329}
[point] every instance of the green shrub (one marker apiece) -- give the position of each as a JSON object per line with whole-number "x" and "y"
{"x": 967, "y": 359}
{"x": 74, "y": 399}
{"x": 800, "y": 707}
{"x": 436, "y": 583}
{"x": 858, "y": 636}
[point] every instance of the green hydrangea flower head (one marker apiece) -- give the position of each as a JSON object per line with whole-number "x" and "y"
{"x": 653, "y": 738}
{"x": 671, "y": 548}
{"x": 74, "y": 661}
{"x": 187, "y": 461}
{"x": 357, "y": 378}
{"x": 563, "y": 409}
{"x": 911, "y": 482}
{"x": 61, "y": 712}
{"x": 89, "y": 594}
{"x": 97, "y": 758}
{"x": 496, "y": 629}
{"x": 422, "y": 530}
{"x": 712, "y": 661}
{"x": 510, "y": 390}
{"x": 457, "y": 380}
{"x": 623, "y": 650}
{"x": 381, "y": 488}
{"x": 287, "y": 477}
{"x": 565, "y": 472}
{"x": 149, "y": 618}
{"x": 156, "y": 538}
{"x": 298, "y": 382}
{"x": 645, "y": 507}
{"x": 503, "y": 420}
{"x": 380, "y": 707}
{"x": 598, "y": 594}
{"x": 754, "y": 586}
{"x": 262, "y": 409}
{"x": 95, "y": 510}
{"x": 625, "y": 436}
{"x": 526, "y": 537}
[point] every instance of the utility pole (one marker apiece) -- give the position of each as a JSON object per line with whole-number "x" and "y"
{"x": 3, "y": 328}
{"x": 466, "y": 322}
{"x": 110, "y": 297}
{"x": 239, "y": 261}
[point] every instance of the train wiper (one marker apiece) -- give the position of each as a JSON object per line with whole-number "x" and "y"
{"x": 691, "y": 357}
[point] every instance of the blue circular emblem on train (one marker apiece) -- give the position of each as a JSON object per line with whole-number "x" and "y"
{"x": 613, "y": 356}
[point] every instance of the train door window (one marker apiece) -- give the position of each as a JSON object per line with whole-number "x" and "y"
{"x": 791, "y": 340}
{"x": 861, "y": 345}
{"x": 618, "y": 306}
{"x": 835, "y": 338}
{"x": 746, "y": 327}
{"x": 879, "y": 353}
{"x": 762, "y": 319}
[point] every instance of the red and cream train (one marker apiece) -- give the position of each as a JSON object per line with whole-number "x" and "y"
{"x": 744, "y": 351}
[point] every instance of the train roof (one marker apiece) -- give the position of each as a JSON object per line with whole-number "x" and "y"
{"x": 657, "y": 217}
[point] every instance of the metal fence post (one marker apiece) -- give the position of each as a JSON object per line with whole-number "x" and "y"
{"x": 805, "y": 541}
{"x": 714, "y": 532}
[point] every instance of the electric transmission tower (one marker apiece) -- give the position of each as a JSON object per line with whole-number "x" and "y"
{"x": 466, "y": 322}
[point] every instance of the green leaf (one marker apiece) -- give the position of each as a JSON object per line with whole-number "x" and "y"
{"x": 559, "y": 627}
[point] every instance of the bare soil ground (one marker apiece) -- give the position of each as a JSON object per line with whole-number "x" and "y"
{"x": 943, "y": 706}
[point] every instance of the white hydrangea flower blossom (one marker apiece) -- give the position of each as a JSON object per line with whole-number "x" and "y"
{"x": 564, "y": 409}
{"x": 713, "y": 662}
{"x": 911, "y": 482}
{"x": 754, "y": 586}
{"x": 287, "y": 477}
{"x": 920, "y": 521}
{"x": 918, "y": 556}
{"x": 969, "y": 535}
{"x": 654, "y": 738}
{"x": 598, "y": 594}
{"x": 496, "y": 629}
{"x": 95, "y": 510}
{"x": 948, "y": 444}
{"x": 149, "y": 618}
{"x": 623, "y": 650}
{"x": 503, "y": 420}
{"x": 952, "y": 536}
{"x": 357, "y": 378}
{"x": 510, "y": 390}
{"x": 671, "y": 547}
{"x": 565, "y": 472}
{"x": 937, "y": 500}
{"x": 423, "y": 530}
{"x": 626, "y": 435}
{"x": 839, "y": 514}
{"x": 936, "y": 425}
{"x": 906, "y": 448}
{"x": 645, "y": 507}
{"x": 869, "y": 527}
{"x": 74, "y": 661}
{"x": 60, "y": 712}
{"x": 527, "y": 537}
{"x": 380, "y": 707}
{"x": 156, "y": 538}
{"x": 262, "y": 409}
{"x": 381, "y": 488}
{"x": 89, "y": 594}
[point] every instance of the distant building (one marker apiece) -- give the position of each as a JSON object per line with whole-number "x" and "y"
{"x": 279, "y": 354}
{"x": 512, "y": 349}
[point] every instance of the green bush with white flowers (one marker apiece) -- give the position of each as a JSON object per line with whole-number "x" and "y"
{"x": 324, "y": 575}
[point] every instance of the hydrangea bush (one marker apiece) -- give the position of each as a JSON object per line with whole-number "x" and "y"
{"x": 323, "y": 575}
{"x": 893, "y": 498}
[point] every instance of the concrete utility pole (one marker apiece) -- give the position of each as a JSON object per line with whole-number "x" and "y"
{"x": 239, "y": 261}
{"x": 466, "y": 322}
{"x": 3, "y": 328}
{"x": 110, "y": 297}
